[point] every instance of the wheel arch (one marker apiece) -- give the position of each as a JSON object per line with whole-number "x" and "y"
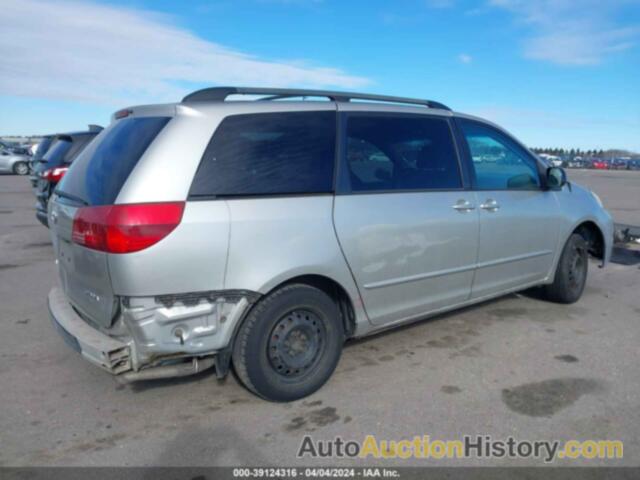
{"x": 590, "y": 229}
{"x": 334, "y": 290}
{"x": 346, "y": 305}
{"x": 593, "y": 235}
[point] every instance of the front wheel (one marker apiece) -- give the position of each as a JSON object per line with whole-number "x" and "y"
{"x": 571, "y": 272}
{"x": 289, "y": 344}
{"x": 20, "y": 168}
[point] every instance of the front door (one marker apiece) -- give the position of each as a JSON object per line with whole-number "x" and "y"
{"x": 519, "y": 220}
{"x": 407, "y": 226}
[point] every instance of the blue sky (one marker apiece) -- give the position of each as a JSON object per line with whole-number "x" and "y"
{"x": 554, "y": 72}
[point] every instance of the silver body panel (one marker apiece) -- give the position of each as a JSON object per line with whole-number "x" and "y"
{"x": 399, "y": 248}
{"x": 83, "y": 273}
{"x": 8, "y": 160}
{"x": 517, "y": 239}
{"x": 399, "y": 256}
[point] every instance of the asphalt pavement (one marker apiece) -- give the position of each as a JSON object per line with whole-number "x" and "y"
{"x": 517, "y": 366}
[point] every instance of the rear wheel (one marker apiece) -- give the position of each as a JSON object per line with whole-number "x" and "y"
{"x": 20, "y": 168}
{"x": 571, "y": 272}
{"x": 289, "y": 344}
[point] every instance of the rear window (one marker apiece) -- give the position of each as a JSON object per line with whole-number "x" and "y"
{"x": 79, "y": 142}
{"x": 57, "y": 152}
{"x": 269, "y": 153}
{"x": 42, "y": 148}
{"x": 99, "y": 172}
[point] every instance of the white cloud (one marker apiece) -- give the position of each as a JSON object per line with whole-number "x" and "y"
{"x": 464, "y": 58}
{"x": 571, "y": 32}
{"x": 104, "y": 54}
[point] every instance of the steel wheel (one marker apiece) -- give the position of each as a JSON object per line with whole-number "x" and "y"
{"x": 289, "y": 344}
{"x": 296, "y": 343}
{"x": 571, "y": 272}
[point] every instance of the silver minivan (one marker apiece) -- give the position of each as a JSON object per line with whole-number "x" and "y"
{"x": 262, "y": 232}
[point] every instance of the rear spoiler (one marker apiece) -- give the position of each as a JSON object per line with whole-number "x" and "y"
{"x": 157, "y": 110}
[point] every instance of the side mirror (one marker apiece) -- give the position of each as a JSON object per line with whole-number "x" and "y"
{"x": 556, "y": 178}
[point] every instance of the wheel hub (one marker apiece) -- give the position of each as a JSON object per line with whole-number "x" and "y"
{"x": 296, "y": 342}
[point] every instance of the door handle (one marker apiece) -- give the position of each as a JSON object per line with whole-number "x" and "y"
{"x": 463, "y": 206}
{"x": 490, "y": 205}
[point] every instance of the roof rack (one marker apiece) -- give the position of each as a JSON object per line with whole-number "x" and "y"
{"x": 219, "y": 94}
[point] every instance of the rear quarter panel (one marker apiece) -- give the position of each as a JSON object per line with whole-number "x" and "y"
{"x": 273, "y": 240}
{"x": 192, "y": 258}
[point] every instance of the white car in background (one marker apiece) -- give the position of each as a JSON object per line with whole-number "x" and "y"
{"x": 551, "y": 160}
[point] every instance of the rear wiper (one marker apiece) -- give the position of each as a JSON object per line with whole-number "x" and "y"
{"x": 62, "y": 194}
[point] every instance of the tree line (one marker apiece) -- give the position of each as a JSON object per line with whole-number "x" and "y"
{"x": 577, "y": 152}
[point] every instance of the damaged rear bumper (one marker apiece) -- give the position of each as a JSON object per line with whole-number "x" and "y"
{"x": 98, "y": 348}
{"x": 155, "y": 337}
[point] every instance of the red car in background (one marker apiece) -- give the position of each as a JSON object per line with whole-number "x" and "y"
{"x": 600, "y": 165}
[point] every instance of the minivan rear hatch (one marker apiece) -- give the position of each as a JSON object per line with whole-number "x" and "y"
{"x": 94, "y": 180}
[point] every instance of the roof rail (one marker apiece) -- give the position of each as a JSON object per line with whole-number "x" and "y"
{"x": 219, "y": 94}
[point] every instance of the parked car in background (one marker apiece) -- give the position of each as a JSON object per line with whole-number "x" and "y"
{"x": 600, "y": 164}
{"x": 206, "y": 232}
{"x": 619, "y": 164}
{"x": 21, "y": 150}
{"x": 633, "y": 164}
{"x": 40, "y": 150}
{"x": 578, "y": 163}
{"x": 551, "y": 160}
{"x": 54, "y": 165}
{"x": 11, "y": 162}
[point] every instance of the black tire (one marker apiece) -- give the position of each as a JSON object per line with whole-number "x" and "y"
{"x": 289, "y": 344}
{"x": 21, "y": 168}
{"x": 571, "y": 272}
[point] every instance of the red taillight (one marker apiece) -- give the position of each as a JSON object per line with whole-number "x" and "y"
{"x": 54, "y": 174}
{"x": 125, "y": 228}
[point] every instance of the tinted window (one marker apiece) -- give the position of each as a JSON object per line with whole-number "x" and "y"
{"x": 269, "y": 153}
{"x": 57, "y": 152}
{"x": 77, "y": 145}
{"x": 101, "y": 169}
{"x": 499, "y": 162}
{"x": 400, "y": 153}
{"x": 43, "y": 146}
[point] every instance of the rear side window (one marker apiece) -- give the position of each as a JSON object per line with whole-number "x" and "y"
{"x": 269, "y": 153}
{"x": 394, "y": 153}
{"x": 99, "y": 172}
